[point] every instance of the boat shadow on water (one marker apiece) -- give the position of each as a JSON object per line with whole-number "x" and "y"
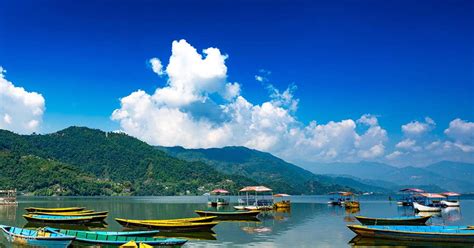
{"x": 359, "y": 241}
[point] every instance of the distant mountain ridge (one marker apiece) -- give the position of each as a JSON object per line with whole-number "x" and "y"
{"x": 267, "y": 169}
{"x": 445, "y": 175}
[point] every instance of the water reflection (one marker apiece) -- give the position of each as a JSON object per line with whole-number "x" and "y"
{"x": 8, "y": 212}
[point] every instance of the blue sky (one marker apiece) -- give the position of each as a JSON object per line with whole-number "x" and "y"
{"x": 400, "y": 61}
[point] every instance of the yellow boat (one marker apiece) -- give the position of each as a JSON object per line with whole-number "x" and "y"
{"x": 69, "y": 209}
{"x": 171, "y": 226}
{"x": 194, "y": 219}
{"x": 283, "y": 203}
{"x": 80, "y": 213}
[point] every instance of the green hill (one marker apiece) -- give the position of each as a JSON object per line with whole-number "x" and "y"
{"x": 99, "y": 157}
{"x": 267, "y": 169}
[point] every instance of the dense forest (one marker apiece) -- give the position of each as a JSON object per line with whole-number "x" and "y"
{"x": 83, "y": 161}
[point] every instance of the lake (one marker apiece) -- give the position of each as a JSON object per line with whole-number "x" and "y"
{"x": 310, "y": 223}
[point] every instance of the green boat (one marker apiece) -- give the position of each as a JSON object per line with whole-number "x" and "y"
{"x": 230, "y": 215}
{"x": 116, "y": 238}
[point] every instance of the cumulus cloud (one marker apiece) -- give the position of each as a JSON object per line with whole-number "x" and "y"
{"x": 20, "y": 111}
{"x": 462, "y": 133}
{"x": 418, "y": 128}
{"x": 199, "y": 107}
{"x": 156, "y": 66}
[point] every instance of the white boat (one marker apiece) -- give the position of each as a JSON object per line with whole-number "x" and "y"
{"x": 239, "y": 207}
{"x": 450, "y": 203}
{"x": 422, "y": 208}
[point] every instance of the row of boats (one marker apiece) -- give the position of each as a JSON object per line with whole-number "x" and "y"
{"x": 411, "y": 228}
{"x": 414, "y": 228}
{"x": 49, "y": 236}
{"x": 422, "y": 201}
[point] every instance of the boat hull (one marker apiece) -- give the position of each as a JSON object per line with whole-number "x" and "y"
{"x": 450, "y": 203}
{"x": 422, "y": 208}
{"x": 235, "y": 215}
{"x": 282, "y": 205}
{"x": 58, "y": 219}
{"x": 415, "y": 233}
{"x": 56, "y": 210}
{"x": 393, "y": 221}
{"x": 117, "y": 238}
{"x": 35, "y": 238}
{"x": 170, "y": 226}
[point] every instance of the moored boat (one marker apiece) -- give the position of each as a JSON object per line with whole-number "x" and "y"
{"x": 256, "y": 198}
{"x": 424, "y": 208}
{"x": 60, "y": 219}
{"x": 69, "y": 209}
{"x": 409, "y": 196}
{"x": 218, "y": 197}
{"x": 38, "y": 238}
{"x": 283, "y": 201}
{"x": 118, "y": 238}
{"x": 449, "y": 202}
{"x": 422, "y": 233}
{"x": 405, "y": 220}
{"x": 80, "y": 213}
{"x": 170, "y": 226}
{"x": 229, "y": 215}
{"x": 193, "y": 219}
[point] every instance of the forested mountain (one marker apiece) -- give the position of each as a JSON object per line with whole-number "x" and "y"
{"x": 267, "y": 169}
{"x": 103, "y": 158}
{"x": 84, "y": 161}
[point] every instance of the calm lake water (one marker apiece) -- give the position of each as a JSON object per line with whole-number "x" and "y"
{"x": 310, "y": 223}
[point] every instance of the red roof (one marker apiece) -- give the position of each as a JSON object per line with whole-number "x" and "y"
{"x": 432, "y": 195}
{"x": 281, "y": 195}
{"x": 450, "y": 194}
{"x": 220, "y": 191}
{"x": 256, "y": 189}
{"x": 415, "y": 190}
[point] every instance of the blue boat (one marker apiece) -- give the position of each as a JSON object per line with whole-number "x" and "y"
{"x": 418, "y": 233}
{"x": 111, "y": 238}
{"x": 131, "y": 233}
{"x": 59, "y": 219}
{"x": 38, "y": 238}
{"x": 402, "y": 220}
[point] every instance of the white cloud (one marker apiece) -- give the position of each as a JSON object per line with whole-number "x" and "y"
{"x": 20, "y": 111}
{"x": 156, "y": 66}
{"x": 406, "y": 144}
{"x": 417, "y": 128}
{"x": 185, "y": 112}
{"x": 462, "y": 133}
{"x": 394, "y": 155}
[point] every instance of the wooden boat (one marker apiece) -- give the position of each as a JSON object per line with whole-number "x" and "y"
{"x": 283, "y": 202}
{"x": 359, "y": 241}
{"x": 423, "y": 208}
{"x": 87, "y": 213}
{"x": 61, "y": 219}
{"x": 38, "y": 237}
{"x": 70, "y": 209}
{"x": 450, "y": 202}
{"x": 117, "y": 238}
{"x": 75, "y": 233}
{"x": 194, "y": 219}
{"x": 229, "y": 215}
{"x": 170, "y": 226}
{"x": 405, "y": 220}
{"x": 421, "y": 233}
